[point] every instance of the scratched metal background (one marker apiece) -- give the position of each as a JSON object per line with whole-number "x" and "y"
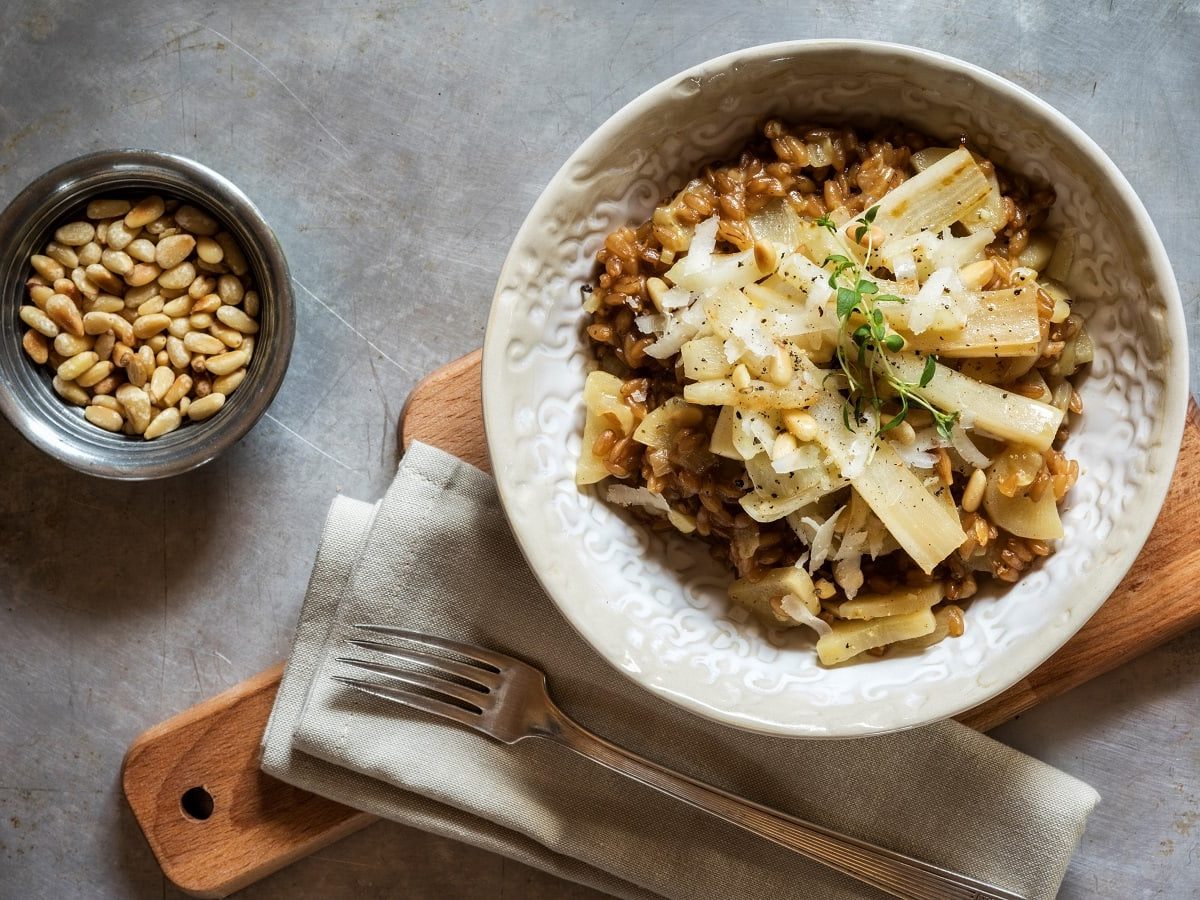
{"x": 396, "y": 148}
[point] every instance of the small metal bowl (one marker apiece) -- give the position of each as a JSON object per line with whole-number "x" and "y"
{"x": 27, "y": 398}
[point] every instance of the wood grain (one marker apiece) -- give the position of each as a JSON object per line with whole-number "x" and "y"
{"x": 258, "y": 824}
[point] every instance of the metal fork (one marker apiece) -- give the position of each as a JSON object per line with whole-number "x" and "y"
{"x": 507, "y": 699}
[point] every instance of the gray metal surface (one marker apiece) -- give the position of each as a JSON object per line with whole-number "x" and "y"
{"x": 396, "y": 149}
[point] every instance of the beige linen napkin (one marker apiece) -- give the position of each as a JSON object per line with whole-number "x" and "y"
{"x": 437, "y": 555}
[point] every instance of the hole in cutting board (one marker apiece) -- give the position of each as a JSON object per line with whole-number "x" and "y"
{"x": 196, "y": 803}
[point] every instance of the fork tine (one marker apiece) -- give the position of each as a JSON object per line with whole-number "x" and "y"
{"x": 478, "y": 654}
{"x": 484, "y": 677}
{"x": 477, "y": 699}
{"x": 415, "y": 701}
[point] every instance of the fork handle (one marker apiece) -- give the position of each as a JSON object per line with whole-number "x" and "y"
{"x": 891, "y": 872}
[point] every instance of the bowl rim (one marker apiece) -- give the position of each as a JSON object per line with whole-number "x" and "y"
{"x": 115, "y": 169}
{"x": 1175, "y": 380}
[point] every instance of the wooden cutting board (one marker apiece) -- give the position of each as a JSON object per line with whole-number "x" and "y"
{"x": 216, "y": 823}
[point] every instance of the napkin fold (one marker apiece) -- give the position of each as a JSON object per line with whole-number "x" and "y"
{"x": 436, "y": 555}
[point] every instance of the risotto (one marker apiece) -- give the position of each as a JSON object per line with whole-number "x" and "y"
{"x": 844, "y": 361}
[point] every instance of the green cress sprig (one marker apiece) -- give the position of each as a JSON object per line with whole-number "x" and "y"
{"x": 865, "y": 340}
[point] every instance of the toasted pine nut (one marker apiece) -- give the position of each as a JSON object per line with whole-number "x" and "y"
{"x": 199, "y": 364}
{"x": 40, "y": 322}
{"x": 102, "y": 416}
{"x": 162, "y": 359}
{"x": 120, "y": 235}
{"x": 100, "y": 322}
{"x": 77, "y": 365}
{"x": 145, "y": 212}
{"x": 200, "y": 321}
{"x": 224, "y": 363}
{"x": 178, "y": 277}
{"x": 202, "y": 386}
{"x": 65, "y": 314}
{"x": 784, "y": 444}
{"x": 136, "y": 404}
{"x": 975, "y": 275}
{"x": 209, "y": 303}
{"x": 905, "y": 434}
{"x": 107, "y": 386}
{"x": 209, "y": 250}
{"x": 178, "y": 353}
{"x": 233, "y": 253}
{"x": 121, "y": 354}
{"x": 196, "y": 221}
{"x": 104, "y": 345}
{"x": 973, "y": 492}
{"x": 230, "y": 337}
{"x": 155, "y": 304}
{"x": 250, "y": 303}
{"x": 135, "y": 371}
{"x": 801, "y": 424}
{"x": 173, "y": 250}
{"x": 179, "y": 327}
{"x": 178, "y": 390}
{"x": 108, "y": 401}
{"x": 85, "y": 285}
{"x": 70, "y": 391}
{"x": 765, "y": 256}
{"x": 230, "y": 290}
{"x": 779, "y": 367}
{"x": 227, "y": 384}
{"x": 63, "y": 254}
{"x": 35, "y": 346}
{"x": 162, "y": 227}
{"x": 117, "y": 261}
{"x": 40, "y": 293}
{"x": 148, "y": 326}
{"x": 204, "y": 284}
{"x": 158, "y": 342}
{"x": 95, "y": 374}
{"x": 136, "y": 296}
{"x": 160, "y": 383}
{"x": 75, "y": 234}
{"x": 180, "y": 306}
{"x": 143, "y": 274}
{"x": 89, "y": 254}
{"x": 48, "y": 268}
{"x": 248, "y": 346}
{"x": 741, "y": 375}
{"x": 104, "y": 279}
{"x": 67, "y": 345}
{"x": 199, "y": 410}
{"x": 142, "y": 250}
{"x": 202, "y": 343}
{"x": 166, "y": 421}
{"x": 656, "y": 287}
{"x": 104, "y": 303}
{"x": 184, "y": 403}
{"x": 104, "y": 208}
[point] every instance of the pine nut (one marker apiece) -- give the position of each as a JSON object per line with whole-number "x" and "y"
{"x": 779, "y": 368}
{"x": 136, "y": 296}
{"x": 975, "y": 275}
{"x": 148, "y": 326}
{"x": 35, "y": 346}
{"x": 204, "y": 284}
{"x": 75, "y": 234}
{"x": 230, "y": 290}
{"x": 104, "y": 303}
{"x": 179, "y": 277}
{"x": 973, "y": 492}
{"x": 162, "y": 227}
{"x": 160, "y": 382}
{"x": 173, "y": 250}
{"x": 157, "y": 343}
{"x": 209, "y": 250}
{"x": 162, "y": 359}
{"x": 145, "y": 212}
{"x": 100, "y": 322}
{"x": 212, "y": 268}
{"x": 200, "y": 321}
{"x": 205, "y": 407}
{"x": 48, "y": 268}
{"x": 224, "y": 363}
{"x": 40, "y": 293}
{"x": 178, "y": 390}
{"x": 233, "y": 254}
{"x": 102, "y": 232}
{"x": 120, "y": 235}
{"x": 802, "y": 425}
{"x": 154, "y": 305}
{"x": 135, "y": 371}
{"x": 183, "y": 405}
{"x": 230, "y": 337}
{"x": 77, "y": 365}
{"x": 178, "y": 353}
{"x": 121, "y": 354}
{"x": 95, "y": 374}
{"x": 62, "y": 254}
{"x": 65, "y": 314}
{"x": 42, "y": 323}
{"x": 179, "y": 327}
{"x": 198, "y": 364}
{"x": 202, "y": 343}
{"x": 143, "y": 274}
{"x": 142, "y": 250}
{"x": 108, "y": 401}
{"x": 741, "y": 375}
{"x": 180, "y": 306}
{"x": 165, "y": 422}
{"x": 227, "y": 384}
{"x": 104, "y": 279}
{"x": 117, "y": 261}
{"x": 106, "y": 208}
{"x": 83, "y": 284}
{"x": 68, "y": 345}
{"x": 102, "y": 416}
{"x": 784, "y": 444}
{"x": 104, "y": 346}
{"x": 196, "y": 221}
{"x": 90, "y": 254}
{"x": 202, "y": 387}
{"x": 905, "y": 434}
{"x": 209, "y": 303}
{"x": 136, "y": 404}
{"x": 248, "y": 346}
{"x": 70, "y": 391}
{"x": 107, "y": 386}
{"x": 250, "y": 303}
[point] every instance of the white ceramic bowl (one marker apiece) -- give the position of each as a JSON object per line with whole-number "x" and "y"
{"x": 655, "y": 607}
